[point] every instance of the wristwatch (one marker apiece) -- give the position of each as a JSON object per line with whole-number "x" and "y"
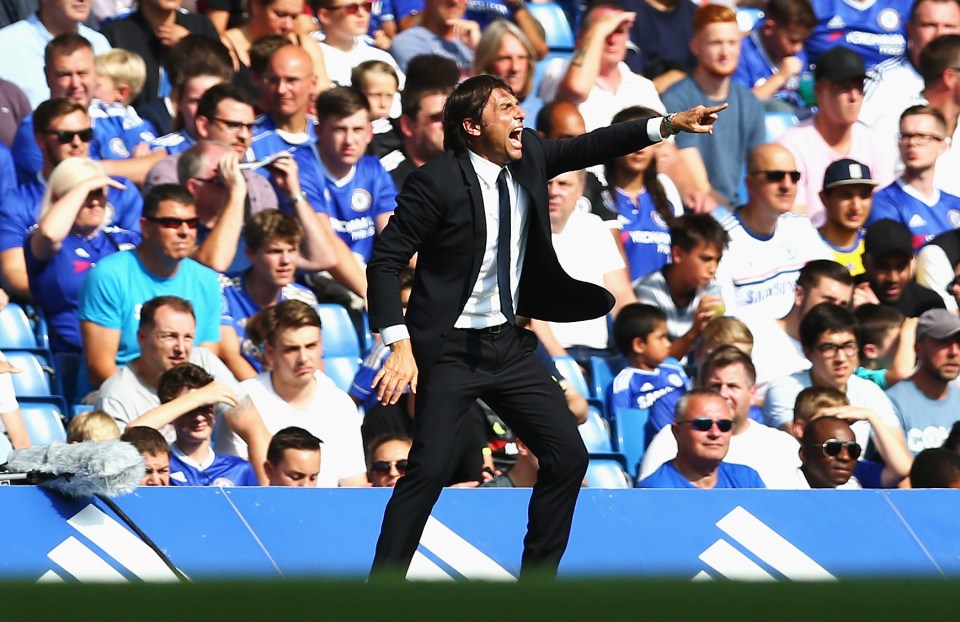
{"x": 300, "y": 196}
{"x": 668, "y": 122}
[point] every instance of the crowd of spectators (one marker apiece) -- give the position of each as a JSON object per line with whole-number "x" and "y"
{"x": 180, "y": 190}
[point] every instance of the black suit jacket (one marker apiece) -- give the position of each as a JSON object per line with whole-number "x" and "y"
{"x": 440, "y": 215}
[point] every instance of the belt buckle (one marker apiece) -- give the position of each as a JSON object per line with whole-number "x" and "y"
{"x": 496, "y": 330}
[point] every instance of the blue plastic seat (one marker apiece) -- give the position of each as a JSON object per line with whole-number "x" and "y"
{"x": 342, "y": 370}
{"x": 606, "y": 473}
{"x": 16, "y": 332}
{"x": 571, "y": 371}
{"x": 629, "y": 435}
{"x": 339, "y": 334}
{"x": 602, "y": 372}
{"x": 43, "y": 420}
{"x": 595, "y": 431}
{"x": 34, "y": 379}
{"x": 556, "y": 27}
{"x": 777, "y": 122}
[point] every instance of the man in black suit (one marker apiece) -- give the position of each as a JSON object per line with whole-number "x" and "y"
{"x": 478, "y": 219}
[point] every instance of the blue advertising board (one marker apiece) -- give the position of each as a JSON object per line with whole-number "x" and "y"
{"x": 477, "y": 534}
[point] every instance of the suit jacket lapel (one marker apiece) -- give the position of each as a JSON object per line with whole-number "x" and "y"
{"x": 472, "y": 184}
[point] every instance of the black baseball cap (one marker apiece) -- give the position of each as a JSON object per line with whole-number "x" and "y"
{"x": 840, "y": 64}
{"x": 886, "y": 236}
{"x": 847, "y": 172}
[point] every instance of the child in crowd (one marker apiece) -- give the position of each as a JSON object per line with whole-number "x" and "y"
{"x": 121, "y": 76}
{"x": 886, "y": 342}
{"x": 650, "y": 380}
{"x": 379, "y": 83}
{"x": 95, "y": 425}
{"x": 155, "y": 451}
{"x": 722, "y": 331}
{"x": 685, "y": 288}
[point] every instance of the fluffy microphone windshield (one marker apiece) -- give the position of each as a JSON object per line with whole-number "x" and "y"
{"x": 109, "y": 468}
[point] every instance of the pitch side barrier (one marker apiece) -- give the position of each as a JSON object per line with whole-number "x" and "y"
{"x": 476, "y": 534}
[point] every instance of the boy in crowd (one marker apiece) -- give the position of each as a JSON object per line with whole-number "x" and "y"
{"x": 155, "y": 451}
{"x": 188, "y": 397}
{"x": 95, "y": 425}
{"x": 379, "y": 83}
{"x": 293, "y": 458}
{"x": 648, "y": 381}
{"x": 685, "y": 289}
{"x": 847, "y": 199}
{"x": 121, "y": 77}
{"x": 772, "y": 57}
{"x": 886, "y": 341}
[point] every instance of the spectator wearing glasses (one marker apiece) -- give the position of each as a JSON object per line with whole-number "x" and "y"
{"x": 63, "y": 130}
{"x": 702, "y": 428}
{"x": 829, "y": 341}
{"x": 192, "y": 413}
{"x": 71, "y": 72}
{"x": 770, "y": 452}
{"x": 834, "y": 132}
{"x": 185, "y": 98}
{"x": 816, "y": 403}
{"x": 914, "y": 199}
{"x": 73, "y": 233}
{"x": 388, "y": 459}
{"x": 293, "y": 458}
{"x": 223, "y": 114}
{"x": 117, "y": 287}
{"x": 929, "y": 402}
{"x": 343, "y": 24}
{"x": 768, "y": 244}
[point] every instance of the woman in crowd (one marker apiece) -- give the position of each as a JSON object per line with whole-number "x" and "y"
{"x": 645, "y": 201}
{"x": 71, "y": 235}
{"x": 504, "y": 51}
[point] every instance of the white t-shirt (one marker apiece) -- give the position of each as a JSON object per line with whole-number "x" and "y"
{"x": 757, "y": 275}
{"x": 771, "y": 453}
{"x": 801, "y": 483}
{"x": 813, "y": 155}
{"x": 331, "y": 416}
{"x": 601, "y": 104}
{"x": 782, "y": 393}
{"x": 587, "y": 252}
{"x": 775, "y": 353}
{"x": 894, "y": 85}
{"x": 340, "y": 65}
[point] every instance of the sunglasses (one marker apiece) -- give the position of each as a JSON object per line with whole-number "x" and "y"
{"x": 703, "y": 424}
{"x": 833, "y": 447}
{"x": 778, "y": 176}
{"x": 65, "y": 137}
{"x": 169, "y": 222}
{"x": 353, "y": 9}
{"x": 383, "y": 467}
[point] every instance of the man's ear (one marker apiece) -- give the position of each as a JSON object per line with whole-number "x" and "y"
{"x": 406, "y": 125}
{"x": 472, "y": 127}
{"x": 871, "y": 351}
{"x": 267, "y": 469}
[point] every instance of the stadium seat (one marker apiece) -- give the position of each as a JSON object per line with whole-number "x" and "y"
{"x": 41, "y": 330}
{"x": 602, "y": 372}
{"x": 629, "y": 435}
{"x": 605, "y": 472}
{"x": 570, "y": 370}
{"x": 367, "y": 340}
{"x": 556, "y": 27}
{"x": 748, "y": 18}
{"x": 339, "y": 335}
{"x": 16, "y": 332}
{"x": 34, "y": 379}
{"x": 595, "y": 432}
{"x": 74, "y": 385}
{"x": 43, "y": 420}
{"x": 777, "y": 122}
{"x": 341, "y": 369}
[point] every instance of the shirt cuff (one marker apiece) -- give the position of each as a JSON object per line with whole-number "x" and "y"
{"x": 392, "y": 334}
{"x": 653, "y": 130}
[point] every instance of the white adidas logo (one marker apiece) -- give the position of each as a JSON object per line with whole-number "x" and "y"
{"x": 916, "y": 221}
{"x": 86, "y": 565}
{"x": 766, "y": 544}
{"x": 836, "y": 23}
{"x": 451, "y": 549}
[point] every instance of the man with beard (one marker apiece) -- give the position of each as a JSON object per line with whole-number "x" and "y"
{"x": 927, "y": 402}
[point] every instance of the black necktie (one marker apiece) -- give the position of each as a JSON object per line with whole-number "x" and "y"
{"x": 503, "y": 249}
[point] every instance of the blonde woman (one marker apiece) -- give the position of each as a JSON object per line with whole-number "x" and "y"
{"x": 73, "y": 233}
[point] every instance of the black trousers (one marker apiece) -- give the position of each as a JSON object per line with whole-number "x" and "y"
{"x": 500, "y": 369}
